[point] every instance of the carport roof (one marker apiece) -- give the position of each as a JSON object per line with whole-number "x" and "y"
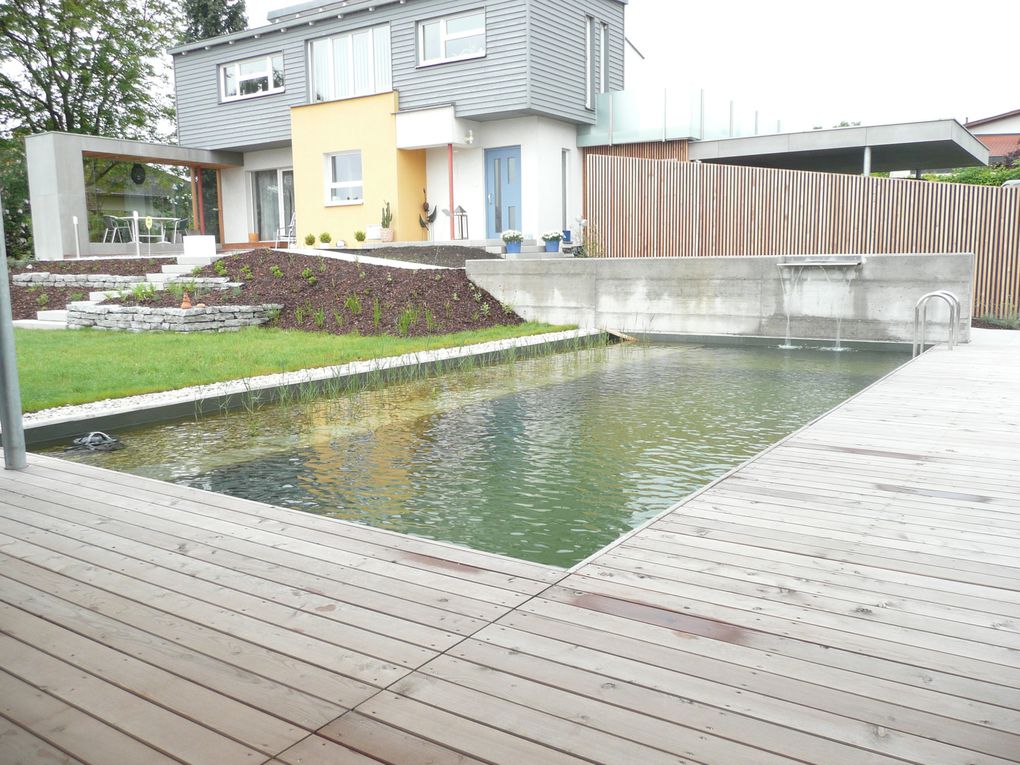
{"x": 905, "y": 146}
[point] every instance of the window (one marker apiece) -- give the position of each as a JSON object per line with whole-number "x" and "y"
{"x": 589, "y": 62}
{"x": 351, "y": 65}
{"x": 252, "y": 77}
{"x": 344, "y": 178}
{"x": 451, "y": 38}
{"x": 603, "y": 58}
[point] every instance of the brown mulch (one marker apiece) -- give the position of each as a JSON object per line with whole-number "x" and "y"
{"x": 327, "y": 295}
{"x": 980, "y": 324}
{"x": 449, "y": 256}
{"x": 25, "y": 301}
{"x": 112, "y": 266}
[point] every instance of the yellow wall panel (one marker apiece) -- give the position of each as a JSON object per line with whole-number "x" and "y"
{"x": 367, "y": 124}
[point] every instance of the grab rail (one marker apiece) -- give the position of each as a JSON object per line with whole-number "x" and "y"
{"x": 921, "y": 319}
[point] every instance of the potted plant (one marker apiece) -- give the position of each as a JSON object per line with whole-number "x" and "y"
{"x": 309, "y": 240}
{"x": 359, "y": 237}
{"x": 324, "y": 240}
{"x": 512, "y": 239}
{"x": 552, "y": 240}
{"x": 386, "y": 235}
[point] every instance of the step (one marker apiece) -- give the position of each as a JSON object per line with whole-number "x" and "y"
{"x": 175, "y": 268}
{"x": 36, "y": 324}
{"x": 196, "y": 260}
{"x": 54, "y": 315}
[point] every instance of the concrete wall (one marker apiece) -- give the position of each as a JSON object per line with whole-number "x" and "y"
{"x": 733, "y": 295}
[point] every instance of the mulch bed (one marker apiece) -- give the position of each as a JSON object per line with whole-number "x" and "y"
{"x": 979, "y": 324}
{"x": 25, "y": 301}
{"x": 112, "y": 266}
{"x": 449, "y": 256}
{"x": 326, "y": 295}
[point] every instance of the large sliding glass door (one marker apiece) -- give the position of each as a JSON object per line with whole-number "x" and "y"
{"x": 273, "y": 201}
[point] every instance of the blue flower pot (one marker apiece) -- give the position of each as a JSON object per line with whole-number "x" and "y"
{"x": 552, "y": 246}
{"x": 513, "y": 247}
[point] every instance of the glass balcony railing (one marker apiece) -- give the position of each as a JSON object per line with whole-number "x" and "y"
{"x": 635, "y": 116}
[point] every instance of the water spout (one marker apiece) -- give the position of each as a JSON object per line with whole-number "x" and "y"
{"x": 791, "y": 276}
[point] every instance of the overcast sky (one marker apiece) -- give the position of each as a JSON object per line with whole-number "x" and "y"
{"x": 811, "y": 62}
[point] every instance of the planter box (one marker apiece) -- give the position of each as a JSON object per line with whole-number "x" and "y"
{"x": 553, "y": 246}
{"x": 199, "y": 246}
{"x": 513, "y": 247}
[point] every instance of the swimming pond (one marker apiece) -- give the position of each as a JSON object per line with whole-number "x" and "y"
{"x": 547, "y": 459}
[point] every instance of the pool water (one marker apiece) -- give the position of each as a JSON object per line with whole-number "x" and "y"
{"x": 547, "y": 459}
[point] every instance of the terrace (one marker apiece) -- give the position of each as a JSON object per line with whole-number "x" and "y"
{"x": 848, "y": 595}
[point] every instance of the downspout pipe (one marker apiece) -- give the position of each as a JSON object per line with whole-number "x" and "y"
{"x": 449, "y": 171}
{"x": 13, "y": 432}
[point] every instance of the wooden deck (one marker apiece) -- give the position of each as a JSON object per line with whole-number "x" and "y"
{"x": 851, "y": 596}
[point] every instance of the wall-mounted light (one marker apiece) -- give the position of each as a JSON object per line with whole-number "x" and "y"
{"x": 470, "y": 137}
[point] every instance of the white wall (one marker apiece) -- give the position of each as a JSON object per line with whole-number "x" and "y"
{"x": 542, "y": 141}
{"x": 1005, "y": 125}
{"x": 235, "y": 183}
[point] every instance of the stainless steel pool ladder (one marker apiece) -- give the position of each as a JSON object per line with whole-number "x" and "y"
{"x": 921, "y": 319}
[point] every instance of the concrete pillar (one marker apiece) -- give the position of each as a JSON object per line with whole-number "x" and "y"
{"x": 10, "y": 394}
{"x": 867, "y": 161}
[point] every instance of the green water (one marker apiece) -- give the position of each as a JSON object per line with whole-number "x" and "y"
{"x": 546, "y": 459}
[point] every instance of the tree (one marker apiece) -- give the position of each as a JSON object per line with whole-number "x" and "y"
{"x": 80, "y": 66}
{"x": 211, "y": 18}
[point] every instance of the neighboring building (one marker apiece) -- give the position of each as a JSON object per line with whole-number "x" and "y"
{"x": 340, "y": 107}
{"x": 1001, "y": 134}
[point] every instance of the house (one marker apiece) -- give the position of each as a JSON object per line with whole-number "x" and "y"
{"x": 337, "y": 108}
{"x": 1001, "y": 134}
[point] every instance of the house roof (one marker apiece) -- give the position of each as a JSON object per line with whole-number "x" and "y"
{"x": 307, "y": 12}
{"x": 986, "y": 120}
{"x": 1000, "y": 145}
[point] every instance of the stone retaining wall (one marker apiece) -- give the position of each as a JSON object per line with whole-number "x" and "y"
{"x": 220, "y": 318}
{"x": 99, "y": 282}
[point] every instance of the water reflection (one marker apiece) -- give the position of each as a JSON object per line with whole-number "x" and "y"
{"x": 547, "y": 459}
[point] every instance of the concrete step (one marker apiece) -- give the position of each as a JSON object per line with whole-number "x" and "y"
{"x": 176, "y": 268}
{"x": 196, "y": 260}
{"x": 36, "y": 324}
{"x": 54, "y": 315}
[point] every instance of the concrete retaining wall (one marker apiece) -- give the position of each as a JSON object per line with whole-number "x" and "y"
{"x": 223, "y": 318}
{"x": 734, "y": 295}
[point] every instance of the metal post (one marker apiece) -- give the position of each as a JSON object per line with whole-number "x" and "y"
{"x": 867, "y": 161}
{"x": 13, "y": 434}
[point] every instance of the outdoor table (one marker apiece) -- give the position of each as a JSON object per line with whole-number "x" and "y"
{"x": 158, "y": 224}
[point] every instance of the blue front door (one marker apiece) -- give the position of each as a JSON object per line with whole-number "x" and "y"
{"x": 502, "y": 190}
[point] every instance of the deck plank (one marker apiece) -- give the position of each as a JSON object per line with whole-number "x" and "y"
{"x": 850, "y": 596}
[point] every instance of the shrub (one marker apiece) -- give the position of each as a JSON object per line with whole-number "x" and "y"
{"x": 246, "y": 272}
{"x": 325, "y": 237}
{"x": 220, "y": 268}
{"x": 310, "y": 240}
{"x": 359, "y": 235}
{"x": 42, "y": 300}
{"x": 276, "y": 271}
{"x": 353, "y": 303}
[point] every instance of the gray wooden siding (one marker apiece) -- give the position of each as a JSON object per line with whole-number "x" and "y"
{"x": 479, "y": 88}
{"x": 557, "y": 54}
{"x": 491, "y": 87}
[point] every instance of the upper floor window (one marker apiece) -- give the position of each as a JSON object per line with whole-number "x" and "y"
{"x": 352, "y": 64}
{"x": 451, "y": 38}
{"x": 603, "y": 58}
{"x": 590, "y": 63}
{"x": 252, "y": 77}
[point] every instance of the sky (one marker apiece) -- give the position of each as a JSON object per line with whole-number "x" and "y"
{"x": 815, "y": 62}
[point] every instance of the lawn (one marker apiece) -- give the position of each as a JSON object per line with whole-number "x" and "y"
{"x": 78, "y": 366}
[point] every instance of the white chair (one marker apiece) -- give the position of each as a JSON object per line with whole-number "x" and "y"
{"x": 287, "y": 233}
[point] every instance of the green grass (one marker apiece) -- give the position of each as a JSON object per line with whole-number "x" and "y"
{"x": 78, "y": 366}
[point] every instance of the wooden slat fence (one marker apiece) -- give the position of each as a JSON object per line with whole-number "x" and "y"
{"x": 656, "y": 208}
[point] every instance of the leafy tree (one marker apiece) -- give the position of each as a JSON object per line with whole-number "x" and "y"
{"x": 211, "y": 18}
{"x": 80, "y": 66}
{"x": 995, "y": 175}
